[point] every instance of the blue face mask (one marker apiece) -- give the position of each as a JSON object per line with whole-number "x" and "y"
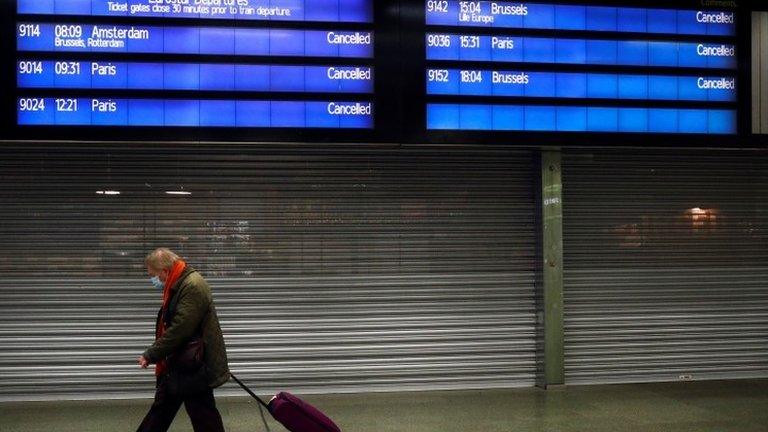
{"x": 157, "y": 283}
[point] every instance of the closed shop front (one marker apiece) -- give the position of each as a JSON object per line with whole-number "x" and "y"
{"x": 349, "y": 269}
{"x": 665, "y": 265}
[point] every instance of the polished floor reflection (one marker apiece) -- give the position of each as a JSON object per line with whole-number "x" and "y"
{"x": 675, "y": 407}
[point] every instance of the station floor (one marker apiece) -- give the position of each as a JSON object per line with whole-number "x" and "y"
{"x": 729, "y": 406}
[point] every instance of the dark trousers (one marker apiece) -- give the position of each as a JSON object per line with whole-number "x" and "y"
{"x": 200, "y": 407}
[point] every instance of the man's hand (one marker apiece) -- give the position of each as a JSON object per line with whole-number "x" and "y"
{"x": 143, "y": 362}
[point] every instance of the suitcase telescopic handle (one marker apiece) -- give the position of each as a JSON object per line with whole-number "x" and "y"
{"x": 253, "y": 395}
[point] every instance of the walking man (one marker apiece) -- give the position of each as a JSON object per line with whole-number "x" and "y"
{"x": 188, "y": 351}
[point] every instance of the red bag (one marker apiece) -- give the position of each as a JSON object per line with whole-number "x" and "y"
{"x": 295, "y": 414}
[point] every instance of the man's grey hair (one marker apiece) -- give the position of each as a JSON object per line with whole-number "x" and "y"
{"x": 161, "y": 259}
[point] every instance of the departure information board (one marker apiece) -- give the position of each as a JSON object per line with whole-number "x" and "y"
{"x": 314, "y": 70}
{"x": 504, "y": 66}
{"x": 348, "y": 71}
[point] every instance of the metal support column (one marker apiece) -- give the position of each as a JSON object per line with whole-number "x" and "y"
{"x": 551, "y": 277}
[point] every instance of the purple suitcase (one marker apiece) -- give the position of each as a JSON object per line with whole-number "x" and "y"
{"x": 295, "y": 414}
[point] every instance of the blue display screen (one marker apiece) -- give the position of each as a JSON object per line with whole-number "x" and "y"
{"x": 498, "y": 14}
{"x": 287, "y": 45}
{"x": 194, "y": 113}
{"x": 579, "y": 119}
{"x": 193, "y": 40}
{"x": 274, "y": 10}
{"x": 689, "y": 64}
{"x": 611, "y": 76}
{"x": 193, "y": 76}
{"x": 579, "y": 85}
{"x": 443, "y": 46}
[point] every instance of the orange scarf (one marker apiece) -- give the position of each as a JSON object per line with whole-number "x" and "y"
{"x": 173, "y": 277}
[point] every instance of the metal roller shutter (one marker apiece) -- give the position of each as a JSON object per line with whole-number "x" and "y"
{"x": 665, "y": 265}
{"x": 349, "y": 269}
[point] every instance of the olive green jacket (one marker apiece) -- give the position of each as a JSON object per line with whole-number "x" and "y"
{"x": 190, "y": 309}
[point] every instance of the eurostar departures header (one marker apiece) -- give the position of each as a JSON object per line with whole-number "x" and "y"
{"x": 251, "y": 10}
